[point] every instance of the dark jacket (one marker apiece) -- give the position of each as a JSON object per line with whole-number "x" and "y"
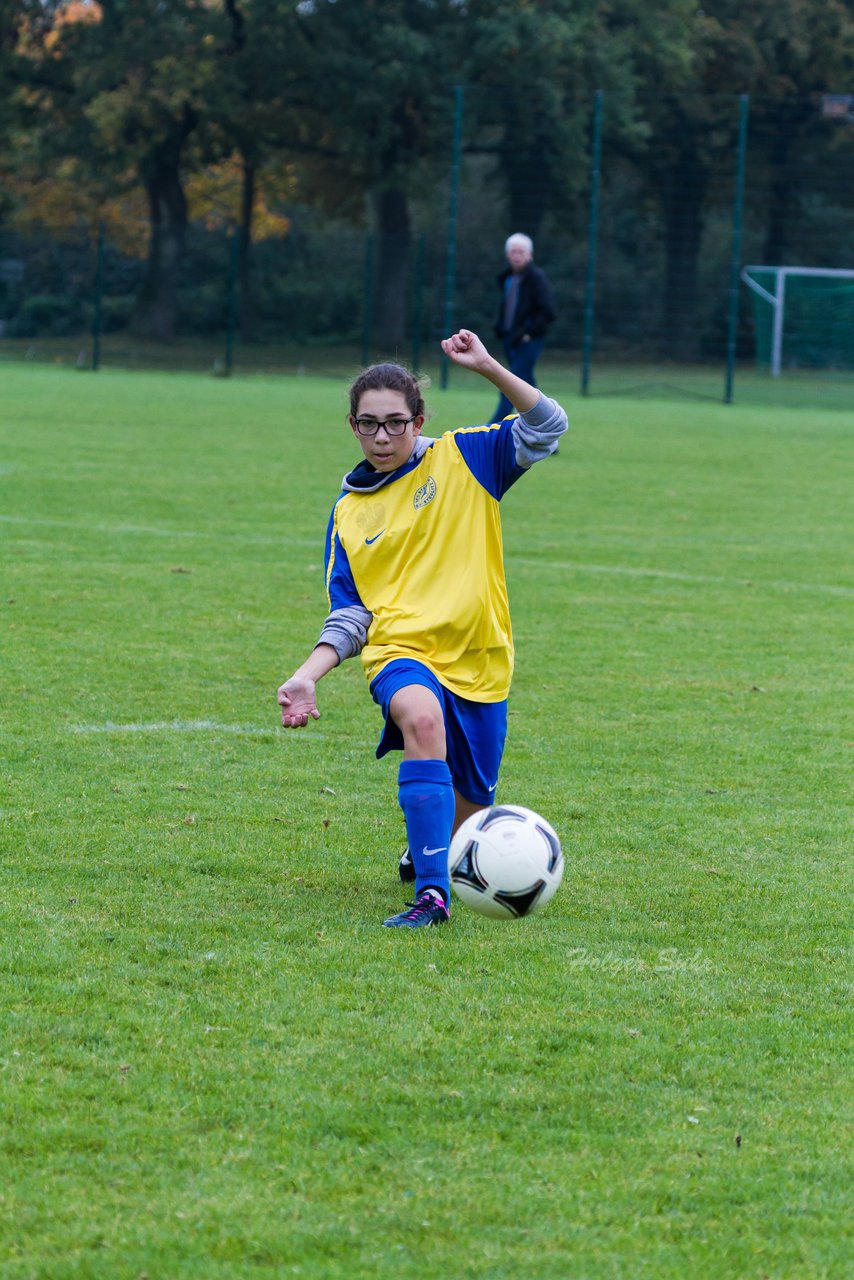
{"x": 535, "y": 308}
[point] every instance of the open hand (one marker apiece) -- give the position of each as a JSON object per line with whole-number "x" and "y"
{"x": 296, "y": 697}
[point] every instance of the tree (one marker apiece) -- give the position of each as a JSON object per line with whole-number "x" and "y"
{"x": 375, "y": 99}
{"x": 776, "y": 50}
{"x": 258, "y": 122}
{"x": 533, "y": 69}
{"x": 807, "y": 50}
{"x": 122, "y": 88}
{"x": 372, "y": 104}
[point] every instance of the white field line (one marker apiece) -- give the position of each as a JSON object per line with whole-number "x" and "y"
{"x": 156, "y": 531}
{"x": 627, "y": 571}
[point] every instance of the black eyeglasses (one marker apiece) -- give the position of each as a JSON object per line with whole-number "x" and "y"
{"x": 370, "y": 426}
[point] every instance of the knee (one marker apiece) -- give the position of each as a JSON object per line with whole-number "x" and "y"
{"x": 424, "y": 732}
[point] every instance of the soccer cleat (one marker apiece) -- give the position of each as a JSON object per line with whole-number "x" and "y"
{"x": 427, "y": 910}
{"x": 406, "y": 867}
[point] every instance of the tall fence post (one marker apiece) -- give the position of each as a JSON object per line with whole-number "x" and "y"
{"x": 231, "y": 306}
{"x": 98, "y": 313}
{"x": 735, "y": 266}
{"x": 451, "y": 273}
{"x": 592, "y": 231}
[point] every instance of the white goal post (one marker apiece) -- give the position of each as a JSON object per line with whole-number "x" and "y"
{"x": 777, "y": 299}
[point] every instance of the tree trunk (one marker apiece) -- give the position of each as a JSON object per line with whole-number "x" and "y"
{"x": 394, "y": 236}
{"x": 526, "y": 200}
{"x": 526, "y": 211}
{"x": 784, "y": 129}
{"x": 779, "y": 195}
{"x": 167, "y": 206}
{"x": 247, "y": 203}
{"x": 683, "y": 196}
{"x": 156, "y": 310}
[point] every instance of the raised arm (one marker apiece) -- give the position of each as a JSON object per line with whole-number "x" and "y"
{"x": 466, "y": 349}
{"x": 541, "y": 421}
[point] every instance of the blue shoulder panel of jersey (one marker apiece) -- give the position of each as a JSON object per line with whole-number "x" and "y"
{"x": 490, "y": 454}
{"x": 339, "y": 583}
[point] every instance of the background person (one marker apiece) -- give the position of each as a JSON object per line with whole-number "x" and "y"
{"x": 527, "y": 309}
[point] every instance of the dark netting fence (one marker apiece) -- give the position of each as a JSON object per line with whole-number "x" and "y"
{"x": 708, "y": 240}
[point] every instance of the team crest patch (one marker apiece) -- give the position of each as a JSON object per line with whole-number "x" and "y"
{"x": 371, "y": 515}
{"x": 425, "y": 494}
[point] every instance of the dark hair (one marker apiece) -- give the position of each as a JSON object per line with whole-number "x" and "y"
{"x": 388, "y": 377}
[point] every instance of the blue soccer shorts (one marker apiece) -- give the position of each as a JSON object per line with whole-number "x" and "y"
{"x": 474, "y": 731}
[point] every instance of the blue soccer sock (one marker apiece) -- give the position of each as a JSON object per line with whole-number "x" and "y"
{"x": 426, "y": 796}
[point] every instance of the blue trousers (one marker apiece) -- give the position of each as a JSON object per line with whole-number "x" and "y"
{"x": 521, "y": 358}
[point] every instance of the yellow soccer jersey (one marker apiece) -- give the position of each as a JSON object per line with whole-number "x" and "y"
{"x": 421, "y": 549}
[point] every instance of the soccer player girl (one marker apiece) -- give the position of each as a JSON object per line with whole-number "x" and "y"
{"x": 415, "y": 581}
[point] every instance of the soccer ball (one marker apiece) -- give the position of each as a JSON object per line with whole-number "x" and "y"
{"x": 506, "y": 862}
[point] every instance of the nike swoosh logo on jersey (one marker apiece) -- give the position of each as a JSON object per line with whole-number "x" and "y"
{"x": 428, "y": 853}
{"x": 368, "y": 541}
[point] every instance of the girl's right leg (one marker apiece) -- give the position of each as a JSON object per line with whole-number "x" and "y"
{"x": 418, "y": 714}
{"x": 473, "y": 740}
{"x": 462, "y": 809}
{"x": 425, "y": 790}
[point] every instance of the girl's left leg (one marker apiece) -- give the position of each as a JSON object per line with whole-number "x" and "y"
{"x": 464, "y": 809}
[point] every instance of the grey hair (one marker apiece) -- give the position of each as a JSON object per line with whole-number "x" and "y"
{"x": 519, "y": 237}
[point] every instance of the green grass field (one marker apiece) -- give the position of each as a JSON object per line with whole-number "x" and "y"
{"x": 214, "y": 1063}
